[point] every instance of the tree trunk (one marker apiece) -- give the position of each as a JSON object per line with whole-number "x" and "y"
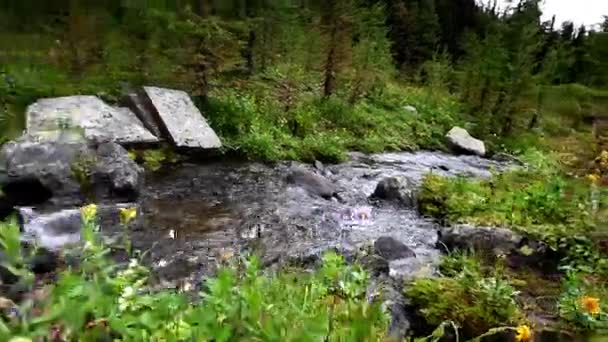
{"x": 249, "y": 53}
{"x": 203, "y": 8}
{"x": 329, "y": 85}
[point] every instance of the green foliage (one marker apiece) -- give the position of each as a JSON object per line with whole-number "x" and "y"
{"x": 539, "y": 201}
{"x": 474, "y": 301}
{"x": 14, "y": 259}
{"x": 100, "y": 299}
{"x": 579, "y": 302}
{"x": 517, "y": 198}
{"x": 82, "y": 171}
{"x": 251, "y": 122}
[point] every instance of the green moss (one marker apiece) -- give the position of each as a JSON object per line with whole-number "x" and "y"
{"x": 473, "y": 300}
{"x": 82, "y": 171}
{"x": 155, "y": 159}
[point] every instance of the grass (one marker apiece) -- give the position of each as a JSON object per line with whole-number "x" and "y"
{"x": 327, "y": 129}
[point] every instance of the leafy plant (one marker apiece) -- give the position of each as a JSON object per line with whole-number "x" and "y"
{"x": 581, "y": 303}
{"x": 14, "y": 259}
{"x": 473, "y": 301}
{"x": 82, "y": 171}
{"x": 100, "y": 299}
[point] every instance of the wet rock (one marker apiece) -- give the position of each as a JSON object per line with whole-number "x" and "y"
{"x": 44, "y": 261}
{"x": 51, "y": 230}
{"x": 375, "y": 264}
{"x": 114, "y": 167}
{"x": 397, "y": 190}
{"x": 54, "y": 229}
{"x": 390, "y": 293}
{"x": 179, "y": 119}
{"x": 491, "y": 243}
{"x": 48, "y": 117}
{"x": 391, "y": 249}
{"x": 67, "y": 173}
{"x": 462, "y": 142}
{"x": 507, "y": 158}
{"x": 314, "y": 184}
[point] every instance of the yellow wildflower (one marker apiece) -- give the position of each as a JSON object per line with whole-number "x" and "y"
{"x": 523, "y": 334}
{"x": 590, "y": 304}
{"x": 593, "y": 178}
{"x": 88, "y": 212}
{"x": 127, "y": 215}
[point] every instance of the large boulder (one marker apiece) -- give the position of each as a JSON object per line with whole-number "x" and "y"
{"x": 67, "y": 173}
{"x": 100, "y": 122}
{"x": 462, "y": 142}
{"x": 397, "y": 190}
{"x": 313, "y": 183}
{"x": 493, "y": 242}
{"x": 176, "y": 116}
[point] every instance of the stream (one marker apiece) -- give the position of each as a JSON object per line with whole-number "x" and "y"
{"x": 196, "y": 215}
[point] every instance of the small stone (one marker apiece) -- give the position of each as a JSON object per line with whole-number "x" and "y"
{"x": 411, "y": 109}
{"x": 391, "y": 249}
{"x": 312, "y": 183}
{"x": 397, "y": 190}
{"x": 319, "y": 166}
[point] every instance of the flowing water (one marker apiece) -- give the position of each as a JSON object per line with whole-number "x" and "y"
{"x": 197, "y": 214}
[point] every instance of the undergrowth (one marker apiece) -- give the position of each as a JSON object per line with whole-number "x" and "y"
{"x": 473, "y": 298}
{"x": 100, "y": 300}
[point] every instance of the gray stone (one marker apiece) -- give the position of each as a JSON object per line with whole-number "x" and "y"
{"x": 181, "y": 120}
{"x": 67, "y": 173}
{"x": 486, "y": 240}
{"x": 136, "y": 102}
{"x": 395, "y": 189}
{"x": 319, "y": 166}
{"x": 391, "y": 249}
{"x": 390, "y": 293}
{"x": 56, "y": 229}
{"x": 493, "y": 242}
{"x": 114, "y": 167}
{"x": 411, "y": 109}
{"x": 47, "y": 118}
{"x": 462, "y": 142}
{"x": 312, "y": 183}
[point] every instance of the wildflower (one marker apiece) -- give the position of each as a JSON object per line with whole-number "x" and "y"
{"x": 591, "y": 305}
{"x": 127, "y": 215}
{"x": 593, "y": 178}
{"x": 88, "y": 212}
{"x": 523, "y": 333}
